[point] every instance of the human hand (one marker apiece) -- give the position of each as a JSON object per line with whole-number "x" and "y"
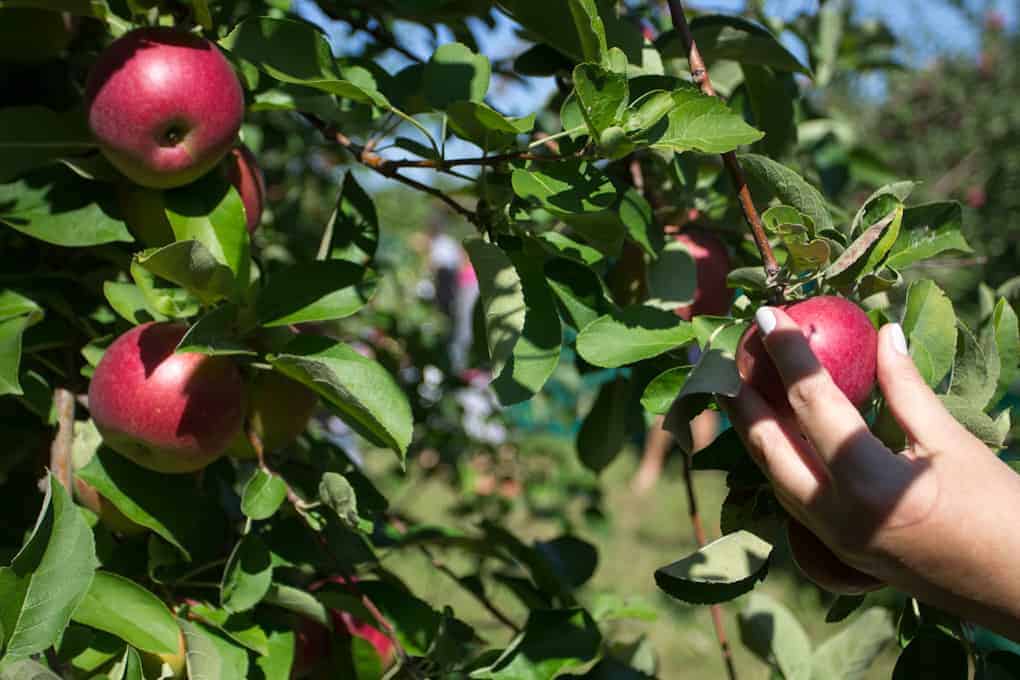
{"x": 928, "y": 520}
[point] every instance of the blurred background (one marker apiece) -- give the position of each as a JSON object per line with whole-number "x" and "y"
{"x": 922, "y": 89}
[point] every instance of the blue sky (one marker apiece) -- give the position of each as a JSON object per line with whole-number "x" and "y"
{"x": 926, "y": 28}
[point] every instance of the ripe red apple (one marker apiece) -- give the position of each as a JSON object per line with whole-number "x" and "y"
{"x": 712, "y": 266}
{"x": 167, "y": 412}
{"x": 279, "y": 409}
{"x": 823, "y": 567}
{"x": 29, "y": 35}
{"x": 314, "y": 642}
{"x": 164, "y": 106}
{"x": 841, "y": 336}
{"x": 242, "y": 170}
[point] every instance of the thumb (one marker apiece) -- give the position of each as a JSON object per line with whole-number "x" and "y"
{"x": 913, "y": 404}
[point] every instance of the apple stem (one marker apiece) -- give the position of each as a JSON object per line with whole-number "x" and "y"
{"x": 699, "y": 536}
{"x": 700, "y": 76}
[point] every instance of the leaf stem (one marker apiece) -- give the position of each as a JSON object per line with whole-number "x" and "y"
{"x": 700, "y": 76}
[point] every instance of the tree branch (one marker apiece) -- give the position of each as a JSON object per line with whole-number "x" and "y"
{"x": 372, "y": 160}
{"x": 699, "y": 73}
{"x": 60, "y": 449}
{"x": 699, "y": 536}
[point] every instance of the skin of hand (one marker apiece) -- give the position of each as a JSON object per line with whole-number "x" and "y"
{"x": 932, "y": 521}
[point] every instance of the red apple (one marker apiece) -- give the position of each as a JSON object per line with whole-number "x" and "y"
{"x": 242, "y": 170}
{"x": 164, "y": 105}
{"x": 345, "y": 623}
{"x": 279, "y": 409}
{"x": 712, "y": 266}
{"x": 823, "y": 567}
{"x": 166, "y": 411}
{"x": 841, "y": 336}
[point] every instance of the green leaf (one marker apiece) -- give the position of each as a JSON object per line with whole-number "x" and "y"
{"x": 882, "y": 202}
{"x": 727, "y": 37}
{"x": 216, "y": 333}
{"x": 11, "y": 332}
{"x": 415, "y": 623}
{"x": 664, "y": 388}
{"x": 536, "y": 352}
{"x": 552, "y": 642}
{"x": 456, "y": 73}
{"x": 263, "y": 495}
{"x": 338, "y": 495}
{"x": 579, "y": 290}
{"x": 672, "y": 277}
{"x": 929, "y": 230}
{"x": 772, "y": 632}
{"x": 58, "y": 207}
{"x": 602, "y": 95}
{"x": 128, "y": 300}
{"x": 864, "y": 254}
{"x": 975, "y": 374}
{"x": 850, "y": 653}
{"x": 773, "y": 97}
{"x": 123, "y": 608}
{"x": 48, "y": 578}
{"x": 563, "y": 246}
{"x": 190, "y": 265}
{"x": 604, "y": 430}
{"x": 315, "y": 291}
{"x": 698, "y": 122}
{"x": 842, "y": 607}
{"x": 355, "y": 225}
{"x": 148, "y": 498}
{"x": 295, "y": 52}
{"x": 239, "y": 627}
{"x": 502, "y": 299}
{"x": 210, "y": 212}
{"x": 932, "y": 654}
{"x": 1003, "y": 327}
{"x": 362, "y": 391}
{"x": 276, "y": 664}
{"x": 26, "y": 669}
{"x": 247, "y": 576}
{"x": 482, "y": 125}
{"x": 32, "y": 136}
{"x": 85, "y": 8}
{"x": 163, "y": 298}
{"x": 300, "y": 602}
{"x": 723, "y": 570}
{"x": 978, "y": 423}
{"x": 632, "y": 334}
{"x": 203, "y": 656}
{"x": 929, "y": 323}
{"x": 789, "y": 187}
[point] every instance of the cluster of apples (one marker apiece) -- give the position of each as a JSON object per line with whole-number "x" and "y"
{"x": 165, "y": 107}
{"x": 846, "y": 344}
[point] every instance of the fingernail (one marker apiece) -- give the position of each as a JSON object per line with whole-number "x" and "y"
{"x": 898, "y": 340}
{"x": 766, "y": 320}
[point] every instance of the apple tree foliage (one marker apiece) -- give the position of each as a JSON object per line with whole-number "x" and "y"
{"x": 569, "y": 204}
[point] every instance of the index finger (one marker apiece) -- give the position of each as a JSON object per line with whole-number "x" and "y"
{"x": 826, "y": 416}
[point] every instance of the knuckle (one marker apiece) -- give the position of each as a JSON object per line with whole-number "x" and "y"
{"x": 808, "y": 391}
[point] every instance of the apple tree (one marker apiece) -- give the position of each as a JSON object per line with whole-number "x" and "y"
{"x": 193, "y": 271}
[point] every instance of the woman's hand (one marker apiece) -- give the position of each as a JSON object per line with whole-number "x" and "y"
{"x": 934, "y": 520}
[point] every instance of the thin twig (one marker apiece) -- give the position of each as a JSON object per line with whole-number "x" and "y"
{"x": 380, "y": 33}
{"x": 699, "y": 536}
{"x": 699, "y": 73}
{"x": 60, "y": 449}
{"x": 372, "y": 160}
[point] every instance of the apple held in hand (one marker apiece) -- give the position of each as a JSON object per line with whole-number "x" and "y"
{"x": 841, "y": 336}
{"x": 279, "y": 409}
{"x": 712, "y": 266}
{"x": 821, "y": 566}
{"x": 167, "y": 412}
{"x": 242, "y": 170}
{"x": 164, "y": 105}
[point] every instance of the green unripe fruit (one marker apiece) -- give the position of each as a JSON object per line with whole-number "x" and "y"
{"x": 613, "y": 140}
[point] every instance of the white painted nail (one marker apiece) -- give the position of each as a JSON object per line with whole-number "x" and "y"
{"x": 766, "y": 320}
{"x": 898, "y": 340}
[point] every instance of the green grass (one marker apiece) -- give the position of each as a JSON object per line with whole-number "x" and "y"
{"x": 642, "y": 533}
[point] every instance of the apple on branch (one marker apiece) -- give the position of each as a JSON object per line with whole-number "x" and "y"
{"x": 164, "y": 105}
{"x": 166, "y": 411}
